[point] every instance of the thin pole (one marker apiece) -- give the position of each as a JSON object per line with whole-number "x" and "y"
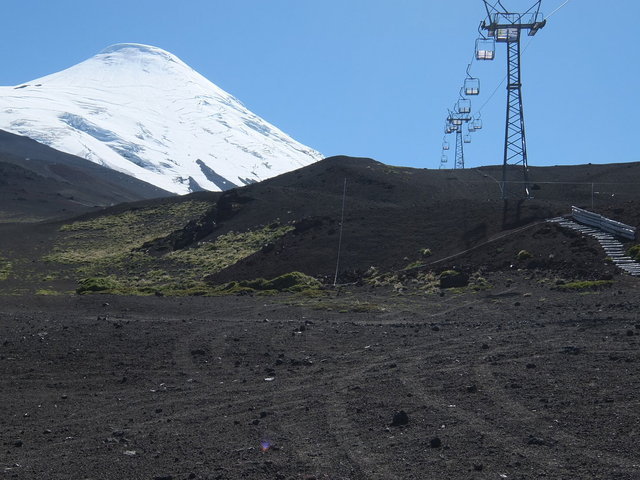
{"x": 344, "y": 196}
{"x": 592, "y": 196}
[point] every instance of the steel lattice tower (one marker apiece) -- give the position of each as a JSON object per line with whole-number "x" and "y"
{"x": 459, "y": 150}
{"x": 506, "y": 27}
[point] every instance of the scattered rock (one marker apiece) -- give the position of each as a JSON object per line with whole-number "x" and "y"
{"x": 400, "y": 418}
{"x": 453, "y": 279}
{"x": 435, "y": 442}
{"x": 531, "y": 365}
{"x": 478, "y": 467}
{"x": 630, "y": 333}
{"x": 572, "y": 350}
{"x": 535, "y": 441}
{"x": 471, "y": 389}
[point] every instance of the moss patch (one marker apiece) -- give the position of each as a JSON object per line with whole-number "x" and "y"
{"x": 5, "y": 268}
{"x": 585, "y": 285}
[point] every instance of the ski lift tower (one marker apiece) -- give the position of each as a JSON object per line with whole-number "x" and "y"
{"x": 503, "y": 26}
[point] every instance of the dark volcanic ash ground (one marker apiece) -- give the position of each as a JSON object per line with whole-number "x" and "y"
{"x": 521, "y": 381}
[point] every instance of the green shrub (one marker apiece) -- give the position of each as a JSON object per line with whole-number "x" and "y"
{"x": 426, "y": 252}
{"x": 523, "y": 255}
{"x": 634, "y": 252}
{"x": 585, "y": 284}
{"x": 97, "y": 284}
{"x": 288, "y": 282}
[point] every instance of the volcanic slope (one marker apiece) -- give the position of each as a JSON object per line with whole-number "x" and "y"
{"x": 39, "y": 183}
{"x": 140, "y": 110}
{"x": 394, "y": 219}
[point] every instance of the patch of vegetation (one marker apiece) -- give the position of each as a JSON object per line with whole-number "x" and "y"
{"x": 634, "y": 252}
{"x": 415, "y": 264}
{"x": 584, "y": 285}
{"x": 110, "y": 247}
{"x": 478, "y": 282}
{"x": 97, "y": 284}
{"x": 210, "y": 257}
{"x": 44, "y": 291}
{"x": 523, "y": 255}
{"x": 289, "y": 282}
{"x": 5, "y": 268}
{"x": 426, "y": 252}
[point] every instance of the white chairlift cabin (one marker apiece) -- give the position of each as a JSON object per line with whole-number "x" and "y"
{"x": 445, "y": 144}
{"x": 507, "y": 35}
{"x": 471, "y": 84}
{"x": 463, "y": 105}
{"x": 477, "y": 123}
{"x": 444, "y": 158}
{"x": 485, "y": 48}
{"x": 466, "y": 138}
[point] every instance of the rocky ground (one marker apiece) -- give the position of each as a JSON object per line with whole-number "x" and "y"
{"x": 517, "y": 381}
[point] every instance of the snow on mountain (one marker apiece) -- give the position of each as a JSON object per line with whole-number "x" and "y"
{"x": 140, "y": 110}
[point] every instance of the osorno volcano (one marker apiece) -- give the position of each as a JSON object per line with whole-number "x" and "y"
{"x": 142, "y": 111}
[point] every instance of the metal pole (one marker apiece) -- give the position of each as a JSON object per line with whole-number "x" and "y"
{"x": 344, "y": 196}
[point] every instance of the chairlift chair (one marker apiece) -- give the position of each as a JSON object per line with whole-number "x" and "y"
{"x": 445, "y": 145}
{"x": 466, "y": 138}
{"x": 471, "y": 86}
{"x": 463, "y": 106}
{"x": 507, "y": 35}
{"x": 477, "y": 124}
{"x": 444, "y": 158}
{"x": 485, "y": 48}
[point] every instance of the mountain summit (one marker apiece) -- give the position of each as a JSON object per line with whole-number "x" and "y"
{"x": 142, "y": 111}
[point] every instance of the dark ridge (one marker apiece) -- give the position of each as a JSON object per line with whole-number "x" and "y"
{"x": 40, "y": 182}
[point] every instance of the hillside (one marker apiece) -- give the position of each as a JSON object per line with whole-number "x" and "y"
{"x": 394, "y": 219}
{"x": 38, "y": 182}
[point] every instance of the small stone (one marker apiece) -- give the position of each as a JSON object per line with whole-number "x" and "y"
{"x": 163, "y": 477}
{"x": 435, "y": 442}
{"x": 535, "y": 441}
{"x": 471, "y": 389}
{"x": 478, "y": 467}
{"x": 630, "y": 333}
{"x": 18, "y": 443}
{"x": 400, "y": 418}
{"x": 531, "y": 365}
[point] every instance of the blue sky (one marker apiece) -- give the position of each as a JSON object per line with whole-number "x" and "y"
{"x": 367, "y": 78}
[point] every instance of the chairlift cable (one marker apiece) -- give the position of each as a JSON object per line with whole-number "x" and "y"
{"x": 552, "y": 13}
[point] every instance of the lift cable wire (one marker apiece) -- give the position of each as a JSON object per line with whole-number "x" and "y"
{"x": 556, "y": 10}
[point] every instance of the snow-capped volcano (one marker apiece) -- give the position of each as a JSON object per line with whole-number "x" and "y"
{"x": 140, "y": 110}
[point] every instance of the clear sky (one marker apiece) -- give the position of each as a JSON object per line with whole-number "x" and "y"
{"x": 369, "y": 78}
